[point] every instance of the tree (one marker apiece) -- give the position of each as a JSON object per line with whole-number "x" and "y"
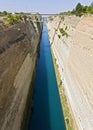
{"x": 91, "y": 9}
{"x": 5, "y": 13}
{"x": 79, "y": 9}
{"x": 14, "y": 18}
{"x": 91, "y": 4}
{"x": 85, "y": 9}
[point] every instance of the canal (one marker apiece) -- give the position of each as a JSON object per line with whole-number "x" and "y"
{"x": 47, "y": 111}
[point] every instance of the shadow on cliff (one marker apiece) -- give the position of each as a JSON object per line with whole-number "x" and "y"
{"x": 40, "y": 118}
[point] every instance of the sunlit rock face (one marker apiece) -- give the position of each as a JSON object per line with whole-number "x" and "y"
{"x": 74, "y": 56}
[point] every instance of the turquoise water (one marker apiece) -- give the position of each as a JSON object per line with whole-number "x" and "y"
{"x": 47, "y": 112}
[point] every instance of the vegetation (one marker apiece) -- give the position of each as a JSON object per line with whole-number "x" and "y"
{"x": 62, "y": 17}
{"x": 14, "y": 18}
{"x": 59, "y": 36}
{"x": 36, "y": 18}
{"x": 66, "y": 28}
{"x": 50, "y": 18}
{"x": 63, "y": 32}
{"x": 3, "y": 13}
{"x": 80, "y": 10}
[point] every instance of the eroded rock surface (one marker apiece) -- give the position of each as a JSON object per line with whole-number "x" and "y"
{"x": 19, "y": 46}
{"x": 74, "y": 56}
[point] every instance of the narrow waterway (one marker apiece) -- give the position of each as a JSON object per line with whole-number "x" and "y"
{"x": 47, "y": 112}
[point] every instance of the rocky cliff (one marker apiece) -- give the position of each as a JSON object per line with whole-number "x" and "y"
{"x": 71, "y": 40}
{"x": 19, "y": 47}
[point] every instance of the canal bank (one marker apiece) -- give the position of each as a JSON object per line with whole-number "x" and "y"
{"x": 67, "y": 111}
{"x": 47, "y": 112}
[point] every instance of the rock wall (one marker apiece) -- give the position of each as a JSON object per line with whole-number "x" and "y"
{"x": 19, "y": 48}
{"x": 74, "y": 55}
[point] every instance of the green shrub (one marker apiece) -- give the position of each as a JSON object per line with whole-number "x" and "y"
{"x": 63, "y": 32}
{"x": 59, "y": 36}
{"x": 80, "y": 10}
{"x": 60, "y": 82}
{"x": 67, "y": 120}
{"x": 14, "y": 18}
{"x": 66, "y": 28}
{"x": 5, "y": 13}
{"x": 62, "y": 17}
{"x": 51, "y": 19}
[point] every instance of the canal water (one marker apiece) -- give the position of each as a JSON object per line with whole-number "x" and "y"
{"x": 47, "y": 112}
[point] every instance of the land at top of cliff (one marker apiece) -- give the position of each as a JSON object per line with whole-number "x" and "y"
{"x": 74, "y": 56}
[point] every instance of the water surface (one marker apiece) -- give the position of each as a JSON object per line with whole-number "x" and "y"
{"x": 47, "y": 112}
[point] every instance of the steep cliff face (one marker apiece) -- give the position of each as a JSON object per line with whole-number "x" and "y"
{"x": 19, "y": 46}
{"x": 74, "y": 55}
